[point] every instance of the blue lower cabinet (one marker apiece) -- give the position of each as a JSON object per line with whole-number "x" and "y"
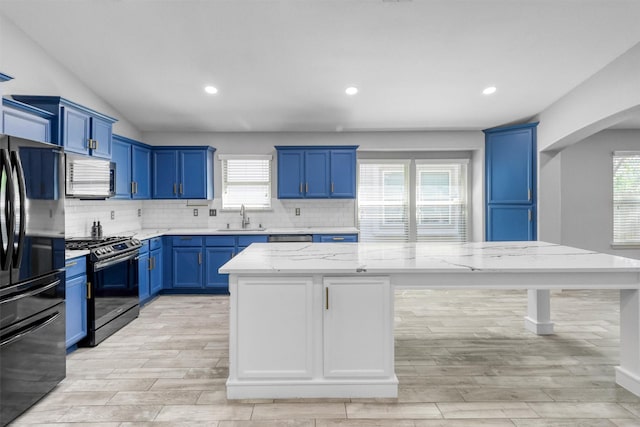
{"x": 143, "y": 277}
{"x": 510, "y": 223}
{"x": 187, "y": 267}
{"x": 335, "y": 238}
{"x": 76, "y": 301}
{"x": 215, "y": 258}
{"x": 155, "y": 272}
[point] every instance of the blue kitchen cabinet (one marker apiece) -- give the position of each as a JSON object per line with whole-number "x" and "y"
{"x": 188, "y": 268}
{"x": 510, "y": 223}
{"x": 184, "y": 173}
{"x": 245, "y": 240}
{"x": 155, "y": 272}
{"x": 335, "y": 238}
{"x": 144, "y": 265}
{"x": 77, "y": 128}
{"x": 75, "y": 300}
{"x": 133, "y": 168}
{"x": 316, "y": 172}
{"x": 25, "y": 121}
{"x": 510, "y": 168}
{"x": 216, "y": 258}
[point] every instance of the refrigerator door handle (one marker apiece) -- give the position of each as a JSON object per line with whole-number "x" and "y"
{"x": 6, "y": 249}
{"x": 32, "y": 292}
{"x": 17, "y": 255}
{"x": 32, "y": 328}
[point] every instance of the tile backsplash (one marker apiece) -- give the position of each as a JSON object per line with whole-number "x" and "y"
{"x": 80, "y": 215}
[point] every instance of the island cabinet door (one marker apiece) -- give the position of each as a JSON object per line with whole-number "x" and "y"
{"x": 273, "y": 327}
{"x": 358, "y": 327}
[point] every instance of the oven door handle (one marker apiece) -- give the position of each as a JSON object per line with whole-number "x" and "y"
{"x": 101, "y": 265}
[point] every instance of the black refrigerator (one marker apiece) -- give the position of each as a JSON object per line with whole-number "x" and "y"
{"x": 32, "y": 279}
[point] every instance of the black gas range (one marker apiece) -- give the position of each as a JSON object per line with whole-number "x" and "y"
{"x": 112, "y": 289}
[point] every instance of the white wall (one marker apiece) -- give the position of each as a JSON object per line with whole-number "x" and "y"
{"x": 587, "y": 191}
{"x": 34, "y": 72}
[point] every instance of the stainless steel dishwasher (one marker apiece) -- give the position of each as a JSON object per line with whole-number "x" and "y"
{"x": 281, "y": 238}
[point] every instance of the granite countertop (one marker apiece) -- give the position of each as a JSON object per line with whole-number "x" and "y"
{"x": 389, "y": 258}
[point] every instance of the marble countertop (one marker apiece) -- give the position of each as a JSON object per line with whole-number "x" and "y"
{"x": 150, "y": 233}
{"x": 68, "y": 254}
{"x": 388, "y": 258}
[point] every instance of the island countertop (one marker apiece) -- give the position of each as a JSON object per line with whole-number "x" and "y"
{"x": 389, "y": 258}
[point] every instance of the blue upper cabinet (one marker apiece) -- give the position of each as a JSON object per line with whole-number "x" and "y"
{"x": 25, "y": 121}
{"x": 182, "y": 173}
{"x": 133, "y": 168}
{"x": 510, "y": 167}
{"x": 79, "y": 129}
{"x": 316, "y": 172}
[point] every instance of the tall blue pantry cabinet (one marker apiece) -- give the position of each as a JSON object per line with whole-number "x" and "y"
{"x": 510, "y": 168}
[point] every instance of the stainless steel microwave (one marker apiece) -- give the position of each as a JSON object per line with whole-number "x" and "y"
{"x": 89, "y": 178}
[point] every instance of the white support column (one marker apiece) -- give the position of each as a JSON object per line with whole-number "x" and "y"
{"x": 628, "y": 373}
{"x": 538, "y": 319}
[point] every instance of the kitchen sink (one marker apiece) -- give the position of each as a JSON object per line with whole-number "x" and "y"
{"x": 240, "y": 229}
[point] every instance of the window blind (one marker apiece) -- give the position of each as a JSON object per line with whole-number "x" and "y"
{"x": 441, "y": 201}
{"x": 383, "y": 202}
{"x": 246, "y": 180}
{"x": 626, "y": 197}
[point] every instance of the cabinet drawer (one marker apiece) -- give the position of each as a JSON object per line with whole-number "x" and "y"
{"x": 247, "y": 240}
{"x": 155, "y": 243}
{"x": 220, "y": 240}
{"x": 323, "y": 238}
{"x": 76, "y": 266}
{"x": 187, "y": 240}
{"x": 144, "y": 248}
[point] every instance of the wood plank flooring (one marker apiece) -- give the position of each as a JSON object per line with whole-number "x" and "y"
{"x": 463, "y": 358}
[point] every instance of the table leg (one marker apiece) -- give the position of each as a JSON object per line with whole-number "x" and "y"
{"x": 628, "y": 373}
{"x": 538, "y": 319}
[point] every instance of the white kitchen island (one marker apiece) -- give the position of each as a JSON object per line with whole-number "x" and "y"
{"x": 316, "y": 319}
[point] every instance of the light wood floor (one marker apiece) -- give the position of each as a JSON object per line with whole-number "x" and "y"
{"x": 463, "y": 358}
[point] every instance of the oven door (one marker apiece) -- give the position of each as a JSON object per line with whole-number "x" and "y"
{"x": 114, "y": 289}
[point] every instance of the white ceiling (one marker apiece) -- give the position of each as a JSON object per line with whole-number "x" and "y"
{"x": 283, "y": 65}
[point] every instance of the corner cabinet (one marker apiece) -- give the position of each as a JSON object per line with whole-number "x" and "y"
{"x": 510, "y": 167}
{"x": 78, "y": 129}
{"x": 316, "y": 172}
{"x": 182, "y": 172}
{"x": 133, "y": 168}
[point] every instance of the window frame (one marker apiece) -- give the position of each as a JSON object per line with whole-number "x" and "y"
{"x": 225, "y": 184}
{"x": 616, "y": 201}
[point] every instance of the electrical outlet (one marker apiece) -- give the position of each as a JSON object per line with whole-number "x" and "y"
{"x": 297, "y": 211}
{"x": 139, "y": 212}
{"x": 213, "y": 212}
{"x": 195, "y": 212}
{"x": 113, "y": 214}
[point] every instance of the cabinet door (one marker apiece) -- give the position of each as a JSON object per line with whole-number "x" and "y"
{"x": 101, "y": 135}
{"x": 25, "y": 125}
{"x": 343, "y": 174}
{"x": 358, "y": 327}
{"x": 165, "y": 174}
{"x": 335, "y": 238}
{"x": 141, "y": 172}
{"x": 155, "y": 276}
{"x": 510, "y": 223}
{"x": 316, "y": 163}
{"x": 509, "y": 163}
{"x": 76, "y": 309}
{"x": 193, "y": 175}
{"x": 216, "y": 257}
{"x": 290, "y": 174}
{"x": 273, "y": 327}
{"x": 143, "y": 276}
{"x": 121, "y": 156}
{"x": 75, "y": 132}
{"x": 187, "y": 267}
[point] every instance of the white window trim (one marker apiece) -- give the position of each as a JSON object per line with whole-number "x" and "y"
{"x": 223, "y": 157}
{"x": 629, "y": 244}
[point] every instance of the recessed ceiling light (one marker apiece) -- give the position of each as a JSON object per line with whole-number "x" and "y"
{"x": 489, "y": 90}
{"x": 211, "y": 90}
{"x": 351, "y": 90}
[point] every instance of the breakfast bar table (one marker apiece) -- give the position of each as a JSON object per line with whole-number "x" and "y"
{"x": 316, "y": 319}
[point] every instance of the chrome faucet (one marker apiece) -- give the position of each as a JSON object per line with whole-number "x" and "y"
{"x": 245, "y": 218}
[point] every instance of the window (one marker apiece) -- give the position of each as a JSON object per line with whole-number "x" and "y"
{"x": 441, "y": 201}
{"x": 246, "y": 180}
{"x": 626, "y": 197}
{"x": 383, "y": 201}
{"x": 438, "y": 200}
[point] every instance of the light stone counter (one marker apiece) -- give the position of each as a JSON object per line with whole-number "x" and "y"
{"x": 146, "y": 233}
{"x": 315, "y": 320}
